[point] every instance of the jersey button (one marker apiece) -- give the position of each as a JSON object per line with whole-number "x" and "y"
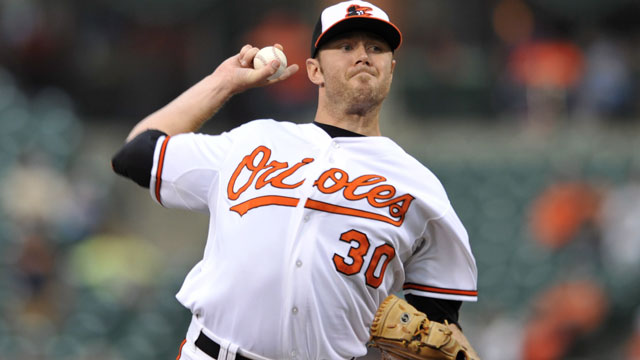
{"x": 299, "y": 263}
{"x": 294, "y": 310}
{"x": 336, "y": 145}
{"x": 306, "y": 218}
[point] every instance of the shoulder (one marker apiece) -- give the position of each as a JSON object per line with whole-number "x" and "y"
{"x": 274, "y": 131}
{"x": 266, "y": 124}
{"x": 259, "y": 127}
{"x": 412, "y": 170}
{"x": 417, "y": 179}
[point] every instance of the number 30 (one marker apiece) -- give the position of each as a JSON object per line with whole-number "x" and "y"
{"x": 357, "y": 253}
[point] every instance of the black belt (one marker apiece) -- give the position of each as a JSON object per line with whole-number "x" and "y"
{"x": 212, "y": 348}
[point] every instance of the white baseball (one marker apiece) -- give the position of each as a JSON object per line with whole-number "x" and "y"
{"x": 266, "y": 55}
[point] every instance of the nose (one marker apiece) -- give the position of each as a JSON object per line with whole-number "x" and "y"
{"x": 362, "y": 56}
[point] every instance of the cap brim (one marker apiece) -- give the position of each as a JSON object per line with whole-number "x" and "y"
{"x": 389, "y": 32}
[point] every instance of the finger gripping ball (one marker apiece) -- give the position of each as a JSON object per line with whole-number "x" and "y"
{"x": 266, "y": 55}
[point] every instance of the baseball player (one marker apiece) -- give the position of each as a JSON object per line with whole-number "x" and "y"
{"x": 311, "y": 225}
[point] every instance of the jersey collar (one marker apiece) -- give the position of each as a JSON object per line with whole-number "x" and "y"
{"x": 335, "y": 131}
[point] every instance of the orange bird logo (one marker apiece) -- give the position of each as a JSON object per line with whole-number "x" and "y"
{"x": 357, "y": 10}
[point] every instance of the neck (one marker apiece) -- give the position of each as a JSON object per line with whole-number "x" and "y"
{"x": 365, "y": 122}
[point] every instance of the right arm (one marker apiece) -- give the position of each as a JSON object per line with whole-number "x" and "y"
{"x": 189, "y": 111}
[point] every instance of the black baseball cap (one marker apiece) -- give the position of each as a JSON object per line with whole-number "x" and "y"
{"x": 350, "y": 16}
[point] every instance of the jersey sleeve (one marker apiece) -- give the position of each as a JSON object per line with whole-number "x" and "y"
{"x": 443, "y": 266}
{"x": 186, "y": 168}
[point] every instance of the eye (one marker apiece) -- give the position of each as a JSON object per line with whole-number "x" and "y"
{"x": 376, "y": 48}
{"x": 346, "y": 47}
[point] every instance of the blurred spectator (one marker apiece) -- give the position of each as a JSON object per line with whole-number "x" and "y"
{"x": 35, "y": 265}
{"x": 291, "y": 98}
{"x": 548, "y": 71}
{"x": 561, "y": 315}
{"x": 563, "y": 210}
{"x": 34, "y": 193}
{"x": 547, "y": 64}
{"x": 36, "y": 282}
{"x": 117, "y": 268}
{"x": 621, "y": 257}
{"x": 36, "y": 40}
{"x": 90, "y": 50}
{"x": 632, "y": 350}
{"x": 38, "y": 300}
{"x": 621, "y": 229}
{"x": 287, "y": 30}
{"x": 501, "y": 338}
{"x": 606, "y": 90}
{"x": 513, "y": 22}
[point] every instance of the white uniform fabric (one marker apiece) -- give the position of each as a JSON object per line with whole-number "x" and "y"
{"x": 308, "y": 234}
{"x": 228, "y": 351}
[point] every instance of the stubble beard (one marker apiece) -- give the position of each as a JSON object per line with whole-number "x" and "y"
{"x": 359, "y": 99}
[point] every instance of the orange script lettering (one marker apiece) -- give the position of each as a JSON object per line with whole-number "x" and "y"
{"x": 260, "y": 171}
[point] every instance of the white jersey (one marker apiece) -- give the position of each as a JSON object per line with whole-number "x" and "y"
{"x": 308, "y": 234}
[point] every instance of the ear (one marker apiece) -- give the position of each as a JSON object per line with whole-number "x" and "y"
{"x": 393, "y": 66}
{"x": 314, "y": 71}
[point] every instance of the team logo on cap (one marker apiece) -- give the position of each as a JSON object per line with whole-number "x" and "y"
{"x": 357, "y": 10}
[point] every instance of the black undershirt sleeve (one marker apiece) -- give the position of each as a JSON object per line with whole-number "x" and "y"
{"x": 436, "y": 309}
{"x": 135, "y": 158}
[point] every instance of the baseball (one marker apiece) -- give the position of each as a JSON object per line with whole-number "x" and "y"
{"x": 266, "y": 55}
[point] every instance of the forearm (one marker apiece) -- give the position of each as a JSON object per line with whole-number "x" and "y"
{"x": 189, "y": 111}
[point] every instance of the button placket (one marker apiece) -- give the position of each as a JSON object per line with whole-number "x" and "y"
{"x": 332, "y": 154}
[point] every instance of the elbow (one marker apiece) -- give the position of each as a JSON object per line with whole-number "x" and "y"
{"x": 135, "y": 159}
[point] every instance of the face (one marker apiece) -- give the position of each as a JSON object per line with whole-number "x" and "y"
{"x": 354, "y": 69}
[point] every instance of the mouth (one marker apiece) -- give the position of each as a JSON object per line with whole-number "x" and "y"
{"x": 362, "y": 76}
{"x": 362, "y": 71}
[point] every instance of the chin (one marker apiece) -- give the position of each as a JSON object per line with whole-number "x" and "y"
{"x": 364, "y": 84}
{"x": 365, "y": 99}
{"x": 364, "y": 77}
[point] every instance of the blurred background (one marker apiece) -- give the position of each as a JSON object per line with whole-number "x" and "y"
{"x": 527, "y": 110}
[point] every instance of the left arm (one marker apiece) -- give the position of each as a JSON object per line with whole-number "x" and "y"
{"x": 441, "y": 310}
{"x": 401, "y": 331}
